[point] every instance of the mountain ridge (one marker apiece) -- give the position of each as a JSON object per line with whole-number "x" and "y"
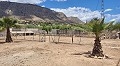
{"x": 31, "y": 12}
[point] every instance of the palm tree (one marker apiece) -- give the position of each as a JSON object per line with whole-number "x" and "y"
{"x": 7, "y": 23}
{"x": 97, "y": 26}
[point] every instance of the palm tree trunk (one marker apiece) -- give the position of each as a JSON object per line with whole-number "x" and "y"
{"x": 97, "y": 50}
{"x": 119, "y": 35}
{"x": 72, "y": 38}
{"x": 8, "y": 35}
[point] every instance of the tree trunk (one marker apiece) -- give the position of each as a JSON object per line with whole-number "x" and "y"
{"x": 97, "y": 50}
{"x": 72, "y": 36}
{"x": 119, "y": 35}
{"x": 72, "y": 39}
{"x": 47, "y": 32}
{"x": 8, "y": 36}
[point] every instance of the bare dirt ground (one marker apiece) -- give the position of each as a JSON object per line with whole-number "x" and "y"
{"x": 26, "y": 52}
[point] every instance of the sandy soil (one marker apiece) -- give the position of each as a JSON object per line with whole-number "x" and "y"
{"x": 26, "y": 52}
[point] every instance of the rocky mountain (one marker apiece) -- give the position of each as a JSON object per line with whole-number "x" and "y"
{"x": 75, "y": 20}
{"x": 31, "y": 12}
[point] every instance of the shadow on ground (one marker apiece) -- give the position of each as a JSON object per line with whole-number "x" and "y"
{"x": 88, "y": 55}
{"x": 66, "y": 43}
{"x": 10, "y": 42}
{"x": 82, "y": 53}
{"x": 2, "y": 42}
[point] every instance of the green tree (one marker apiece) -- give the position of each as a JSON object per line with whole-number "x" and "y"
{"x": 97, "y": 26}
{"x": 7, "y": 23}
{"x": 1, "y": 26}
{"x": 116, "y": 26}
{"x": 47, "y": 28}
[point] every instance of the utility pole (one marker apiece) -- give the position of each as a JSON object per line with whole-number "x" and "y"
{"x": 102, "y": 8}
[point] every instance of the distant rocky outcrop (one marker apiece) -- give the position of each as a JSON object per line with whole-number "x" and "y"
{"x": 75, "y": 20}
{"x": 32, "y": 12}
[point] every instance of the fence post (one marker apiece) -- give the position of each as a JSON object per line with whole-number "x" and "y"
{"x": 72, "y": 36}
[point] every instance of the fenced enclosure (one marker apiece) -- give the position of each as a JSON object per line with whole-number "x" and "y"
{"x": 55, "y": 35}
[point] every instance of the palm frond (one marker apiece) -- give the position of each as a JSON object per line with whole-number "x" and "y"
{"x": 108, "y": 25}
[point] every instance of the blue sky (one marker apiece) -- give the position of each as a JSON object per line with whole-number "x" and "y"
{"x": 92, "y": 4}
{"x": 85, "y": 10}
{"x": 112, "y": 7}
